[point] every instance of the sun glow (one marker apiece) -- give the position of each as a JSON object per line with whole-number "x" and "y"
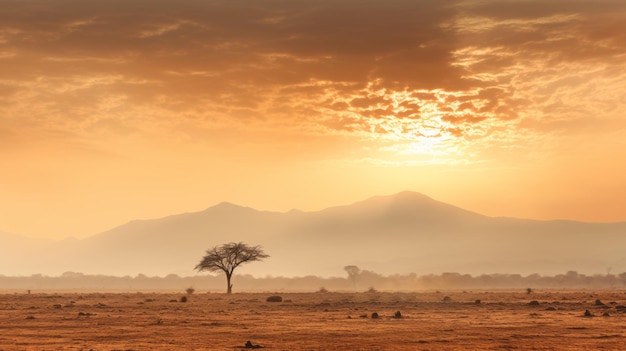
{"x": 420, "y": 124}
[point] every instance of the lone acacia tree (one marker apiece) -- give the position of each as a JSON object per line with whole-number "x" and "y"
{"x": 229, "y": 256}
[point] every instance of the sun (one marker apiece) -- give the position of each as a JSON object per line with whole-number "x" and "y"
{"x": 417, "y": 126}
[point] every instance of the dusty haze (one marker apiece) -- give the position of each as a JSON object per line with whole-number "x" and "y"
{"x": 116, "y": 110}
{"x": 398, "y": 234}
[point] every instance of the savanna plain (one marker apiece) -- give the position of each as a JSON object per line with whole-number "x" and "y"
{"x": 446, "y": 320}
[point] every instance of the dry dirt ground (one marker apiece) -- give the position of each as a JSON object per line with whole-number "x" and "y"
{"x": 501, "y": 320}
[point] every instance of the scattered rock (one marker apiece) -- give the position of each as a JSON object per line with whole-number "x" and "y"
{"x": 84, "y": 314}
{"x": 183, "y": 299}
{"x": 30, "y": 317}
{"x": 551, "y": 308}
{"x": 446, "y": 299}
{"x": 599, "y": 303}
{"x": 477, "y": 301}
{"x": 363, "y": 316}
{"x": 250, "y": 345}
{"x": 173, "y": 300}
{"x": 397, "y": 315}
{"x": 606, "y": 314}
{"x": 57, "y": 306}
{"x": 588, "y": 314}
{"x": 374, "y": 315}
{"x": 274, "y": 298}
{"x": 534, "y": 303}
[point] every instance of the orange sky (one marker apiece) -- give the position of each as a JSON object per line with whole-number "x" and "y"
{"x": 118, "y": 110}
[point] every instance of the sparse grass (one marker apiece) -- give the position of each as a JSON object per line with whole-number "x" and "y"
{"x": 506, "y": 322}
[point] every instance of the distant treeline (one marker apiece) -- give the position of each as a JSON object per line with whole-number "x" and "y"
{"x": 365, "y": 280}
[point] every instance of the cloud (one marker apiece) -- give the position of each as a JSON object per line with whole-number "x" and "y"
{"x": 404, "y": 68}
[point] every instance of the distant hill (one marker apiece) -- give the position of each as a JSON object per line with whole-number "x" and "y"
{"x": 402, "y": 233}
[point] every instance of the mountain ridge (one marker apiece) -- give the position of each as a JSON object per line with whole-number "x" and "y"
{"x": 400, "y": 233}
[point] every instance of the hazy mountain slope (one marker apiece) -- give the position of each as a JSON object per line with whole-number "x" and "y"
{"x": 406, "y": 232}
{"x": 20, "y": 254}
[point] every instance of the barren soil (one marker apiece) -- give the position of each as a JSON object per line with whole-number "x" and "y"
{"x": 315, "y": 321}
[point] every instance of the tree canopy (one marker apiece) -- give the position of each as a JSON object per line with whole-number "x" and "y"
{"x": 229, "y": 256}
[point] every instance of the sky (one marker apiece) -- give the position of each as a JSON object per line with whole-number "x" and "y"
{"x": 114, "y": 110}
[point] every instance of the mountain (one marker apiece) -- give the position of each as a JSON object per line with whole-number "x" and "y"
{"x": 402, "y": 233}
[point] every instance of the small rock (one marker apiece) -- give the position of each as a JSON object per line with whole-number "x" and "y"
{"x": 374, "y": 315}
{"x": 397, "y": 315}
{"x": 250, "y": 345}
{"x": 274, "y": 298}
{"x": 588, "y": 314}
{"x": 534, "y": 303}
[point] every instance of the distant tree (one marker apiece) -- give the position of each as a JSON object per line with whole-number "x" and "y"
{"x": 353, "y": 273}
{"x": 229, "y": 256}
{"x": 622, "y": 276}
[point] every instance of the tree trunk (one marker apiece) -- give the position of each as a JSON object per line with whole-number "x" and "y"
{"x": 229, "y": 289}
